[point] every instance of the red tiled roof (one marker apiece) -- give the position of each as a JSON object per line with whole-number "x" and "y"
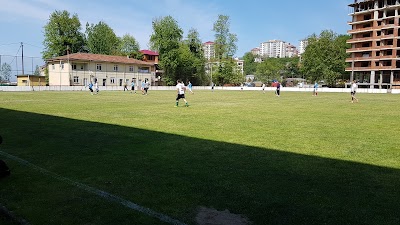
{"x": 148, "y": 52}
{"x": 100, "y": 58}
{"x": 209, "y": 42}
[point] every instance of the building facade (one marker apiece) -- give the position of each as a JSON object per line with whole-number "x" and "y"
{"x": 273, "y": 49}
{"x": 303, "y": 46}
{"x": 209, "y": 50}
{"x": 375, "y": 47}
{"x": 80, "y": 69}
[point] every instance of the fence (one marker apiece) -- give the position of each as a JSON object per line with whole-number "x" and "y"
{"x": 217, "y": 88}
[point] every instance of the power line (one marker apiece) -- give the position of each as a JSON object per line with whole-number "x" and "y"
{"x": 33, "y": 45}
{"x": 11, "y": 44}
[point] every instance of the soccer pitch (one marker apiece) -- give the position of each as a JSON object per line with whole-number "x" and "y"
{"x": 121, "y": 158}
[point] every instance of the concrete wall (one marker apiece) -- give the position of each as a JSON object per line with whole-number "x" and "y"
{"x": 163, "y": 88}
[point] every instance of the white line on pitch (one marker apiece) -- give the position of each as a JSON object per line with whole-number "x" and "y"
{"x": 103, "y": 194}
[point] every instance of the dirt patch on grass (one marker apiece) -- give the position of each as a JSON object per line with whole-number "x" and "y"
{"x": 207, "y": 216}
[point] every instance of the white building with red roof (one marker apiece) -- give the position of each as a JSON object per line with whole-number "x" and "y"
{"x": 79, "y": 69}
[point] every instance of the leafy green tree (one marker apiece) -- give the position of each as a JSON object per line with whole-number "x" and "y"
{"x": 225, "y": 42}
{"x": 37, "y": 71}
{"x": 270, "y": 69}
{"x": 5, "y": 73}
{"x": 250, "y": 65}
{"x": 128, "y": 45}
{"x": 62, "y": 33}
{"x": 101, "y": 39}
{"x": 225, "y": 47}
{"x": 324, "y": 58}
{"x": 166, "y": 39}
{"x": 197, "y": 66}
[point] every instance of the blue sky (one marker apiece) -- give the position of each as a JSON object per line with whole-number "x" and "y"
{"x": 254, "y": 21}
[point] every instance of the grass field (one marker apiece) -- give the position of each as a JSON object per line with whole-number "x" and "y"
{"x": 296, "y": 159}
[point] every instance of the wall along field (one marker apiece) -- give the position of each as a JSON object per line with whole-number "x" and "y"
{"x": 296, "y": 159}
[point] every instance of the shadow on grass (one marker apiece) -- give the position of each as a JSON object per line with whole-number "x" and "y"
{"x": 175, "y": 175}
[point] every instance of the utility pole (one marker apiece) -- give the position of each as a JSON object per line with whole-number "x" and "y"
{"x": 22, "y": 46}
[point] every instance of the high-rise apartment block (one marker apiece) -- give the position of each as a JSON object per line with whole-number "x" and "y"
{"x": 209, "y": 50}
{"x": 273, "y": 49}
{"x": 303, "y": 45}
{"x": 277, "y": 49}
{"x": 375, "y": 43}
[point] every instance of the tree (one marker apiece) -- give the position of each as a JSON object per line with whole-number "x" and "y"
{"x": 128, "y": 45}
{"x": 269, "y": 70}
{"x": 5, "y": 73}
{"x": 101, "y": 39}
{"x": 324, "y": 58}
{"x": 225, "y": 42}
{"x": 61, "y": 34}
{"x": 225, "y": 48}
{"x": 197, "y": 74}
{"x": 250, "y": 64}
{"x": 37, "y": 71}
{"x": 166, "y": 39}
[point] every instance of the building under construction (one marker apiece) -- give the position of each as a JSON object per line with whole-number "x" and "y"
{"x": 375, "y": 44}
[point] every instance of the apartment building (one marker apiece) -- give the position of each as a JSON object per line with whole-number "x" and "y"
{"x": 79, "y": 69}
{"x": 303, "y": 45}
{"x": 276, "y": 49}
{"x": 375, "y": 45}
{"x": 209, "y": 50}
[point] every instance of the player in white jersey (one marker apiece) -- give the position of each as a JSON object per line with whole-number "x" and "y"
{"x": 180, "y": 87}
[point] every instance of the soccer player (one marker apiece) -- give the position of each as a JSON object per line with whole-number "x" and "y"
{"x": 353, "y": 90}
{"x": 278, "y": 89}
{"x": 133, "y": 86}
{"x": 180, "y": 88}
{"x": 190, "y": 87}
{"x": 91, "y": 88}
{"x": 263, "y": 88}
{"x": 315, "y": 92}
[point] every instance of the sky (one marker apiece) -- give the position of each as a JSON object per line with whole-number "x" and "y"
{"x": 253, "y": 21}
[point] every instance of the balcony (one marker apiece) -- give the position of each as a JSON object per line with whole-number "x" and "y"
{"x": 360, "y": 59}
{"x": 357, "y": 40}
{"x": 359, "y": 22}
{"x": 359, "y": 69}
{"x": 364, "y": 49}
{"x": 360, "y": 30}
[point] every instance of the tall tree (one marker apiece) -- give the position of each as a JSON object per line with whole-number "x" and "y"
{"x": 128, "y": 45}
{"x": 61, "y": 34}
{"x": 5, "y": 73}
{"x": 197, "y": 66}
{"x": 101, "y": 39}
{"x": 166, "y": 39}
{"x": 225, "y": 42}
{"x": 324, "y": 58}
{"x": 225, "y": 48}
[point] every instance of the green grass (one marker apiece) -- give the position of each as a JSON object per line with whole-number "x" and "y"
{"x": 296, "y": 159}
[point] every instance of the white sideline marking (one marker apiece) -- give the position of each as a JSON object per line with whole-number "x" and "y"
{"x": 98, "y": 192}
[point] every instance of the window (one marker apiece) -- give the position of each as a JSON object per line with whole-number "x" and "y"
{"x": 76, "y": 79}
{"x": 62, "y": 65}
{"x": 144, "y": 70}
{"x": 115, "y": 67}
{"x": 81, "y": 67}
{"x": 131, "y": 69}
{"x": 98, "y": 67}
{"x": 53, "y": 67}
{"x": 112, "y": 80}
{"x": 74, "y": 66}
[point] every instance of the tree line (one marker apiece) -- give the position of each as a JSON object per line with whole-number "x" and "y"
{"x": 180, "y": 57}
{"x": 323, "y": 60}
